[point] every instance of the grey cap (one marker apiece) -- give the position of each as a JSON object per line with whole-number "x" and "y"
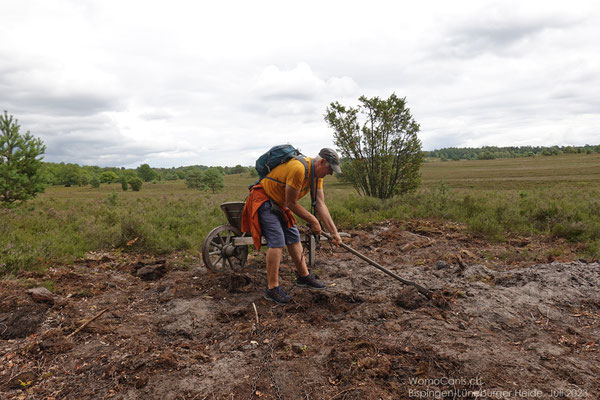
{"x": 332, "y": 158}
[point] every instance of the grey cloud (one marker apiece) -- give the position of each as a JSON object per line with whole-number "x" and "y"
{"x": 69, "y": 104}
{"x": 493, "y": 35}
{"x": 91, "y": 140}
{"x": 445, "y": 140}
{"x": 28, "y": 89}
{"x": 98, "y": 150}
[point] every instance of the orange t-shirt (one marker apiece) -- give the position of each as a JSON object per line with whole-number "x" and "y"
{"x": 290, "y": 173}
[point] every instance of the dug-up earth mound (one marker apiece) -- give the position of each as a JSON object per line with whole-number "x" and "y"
{"x": 501, "y": 325}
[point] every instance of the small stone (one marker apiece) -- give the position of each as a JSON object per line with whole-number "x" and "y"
{"x": 41, "y": 295}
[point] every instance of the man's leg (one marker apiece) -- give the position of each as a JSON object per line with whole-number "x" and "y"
{"x": 304, "y": 278}
{"x": 272, "y": 230}
{"x": 273, "y": 260}
{"x": 295, "y": 250}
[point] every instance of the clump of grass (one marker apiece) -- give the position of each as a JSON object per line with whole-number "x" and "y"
{"x": 592, "y": 250}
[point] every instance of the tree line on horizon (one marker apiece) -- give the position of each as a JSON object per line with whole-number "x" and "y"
{"x": 72, "y": 174}
{"x": 493, "y": 152}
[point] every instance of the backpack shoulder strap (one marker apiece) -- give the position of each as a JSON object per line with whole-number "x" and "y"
{"x": 295, "y": 157}
{"x": 313, "y": 189}
{"x": 304, "y": 163}
{"x": 312, "y": 182}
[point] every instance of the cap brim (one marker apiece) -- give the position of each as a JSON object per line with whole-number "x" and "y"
{"x": 336, "y": 168}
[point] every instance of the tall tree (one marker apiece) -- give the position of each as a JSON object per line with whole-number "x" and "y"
{"x": 213, "y": 179}
{"x": 20, "y": 162}
{"x": 145, "y": 172}
{"x": 68, "y": 174}
{"x": 379, "y": 145}
{"x": 195, "y": 179}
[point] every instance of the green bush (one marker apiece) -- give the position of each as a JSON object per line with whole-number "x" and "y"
{"x": 195, "y": 179}
{"x": 136, "y": 184}
{"x": 592, "y": 250}
{"x": 485, "y": 226}
{"x": 573, "y": 231}
{"x": 112, "y": 198}
{"x": 379, "y": 145}
{"x": 135, "y": 231}
{"x": 95, "y": 182}
{"x": 471, "y": 206}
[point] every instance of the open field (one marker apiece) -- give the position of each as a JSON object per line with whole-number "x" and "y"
{"x": 553, "y": 196}
{"x": 569, "y": 171}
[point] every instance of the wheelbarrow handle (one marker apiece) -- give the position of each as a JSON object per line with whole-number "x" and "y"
{"x": 425, "y": 292}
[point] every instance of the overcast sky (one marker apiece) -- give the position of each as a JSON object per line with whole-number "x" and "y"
{"x": 172, "y": 83}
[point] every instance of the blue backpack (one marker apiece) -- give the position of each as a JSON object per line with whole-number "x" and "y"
{"x": 281, "y": 154}
{"x": 276, "y": 156}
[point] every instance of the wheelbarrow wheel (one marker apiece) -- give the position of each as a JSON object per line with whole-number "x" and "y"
{"x": 219, "y": 252}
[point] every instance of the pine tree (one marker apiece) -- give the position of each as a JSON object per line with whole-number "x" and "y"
{"x": 20, "y": 162}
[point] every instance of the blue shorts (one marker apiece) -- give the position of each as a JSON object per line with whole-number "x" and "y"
{"x": 274, "y": 230}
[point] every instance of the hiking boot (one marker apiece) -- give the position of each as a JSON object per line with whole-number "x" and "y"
{"x": 277, "y": 295}
{"x": 309, "y": 281}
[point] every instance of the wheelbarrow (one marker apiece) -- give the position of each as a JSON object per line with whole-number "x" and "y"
{"x": 226, "y": 246}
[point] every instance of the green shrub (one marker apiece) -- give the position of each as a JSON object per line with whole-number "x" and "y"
{"x": 486, "y": 226}
{"x": 136, "y": 184}
{"x": 592, "y": 250}
{"x": 112, "y": 198}
{"x": 195, "y": 179}
{"x": 573, "y": 231}
{"x": 471, "y": 206}
{"x": 135, "y": 231}
{"x": 95, "y": 182}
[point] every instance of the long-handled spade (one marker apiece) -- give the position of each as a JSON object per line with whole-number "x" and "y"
{"x": 425, "y": 292}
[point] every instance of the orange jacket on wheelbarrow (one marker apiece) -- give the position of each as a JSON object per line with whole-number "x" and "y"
{"x": 250, "y": 223}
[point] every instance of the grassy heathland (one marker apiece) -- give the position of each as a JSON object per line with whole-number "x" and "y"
{"x": 557, "y": 196}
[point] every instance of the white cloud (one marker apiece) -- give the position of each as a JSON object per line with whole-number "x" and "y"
{"x": 109, "y": 82}
{"x": 301, "y": 84}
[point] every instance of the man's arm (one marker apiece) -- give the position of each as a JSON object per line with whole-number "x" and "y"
{"x": 291, "y": 202}
{"x": 326, "y": 219}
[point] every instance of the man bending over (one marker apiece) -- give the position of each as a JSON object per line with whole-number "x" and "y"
{"x": 268, "y": 211}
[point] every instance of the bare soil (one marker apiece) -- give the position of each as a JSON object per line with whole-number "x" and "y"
{"x": 502, "y": 325}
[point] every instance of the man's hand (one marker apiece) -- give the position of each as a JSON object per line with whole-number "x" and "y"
{"x": 315, "y": 226}
{"x": 337, "y": 240}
